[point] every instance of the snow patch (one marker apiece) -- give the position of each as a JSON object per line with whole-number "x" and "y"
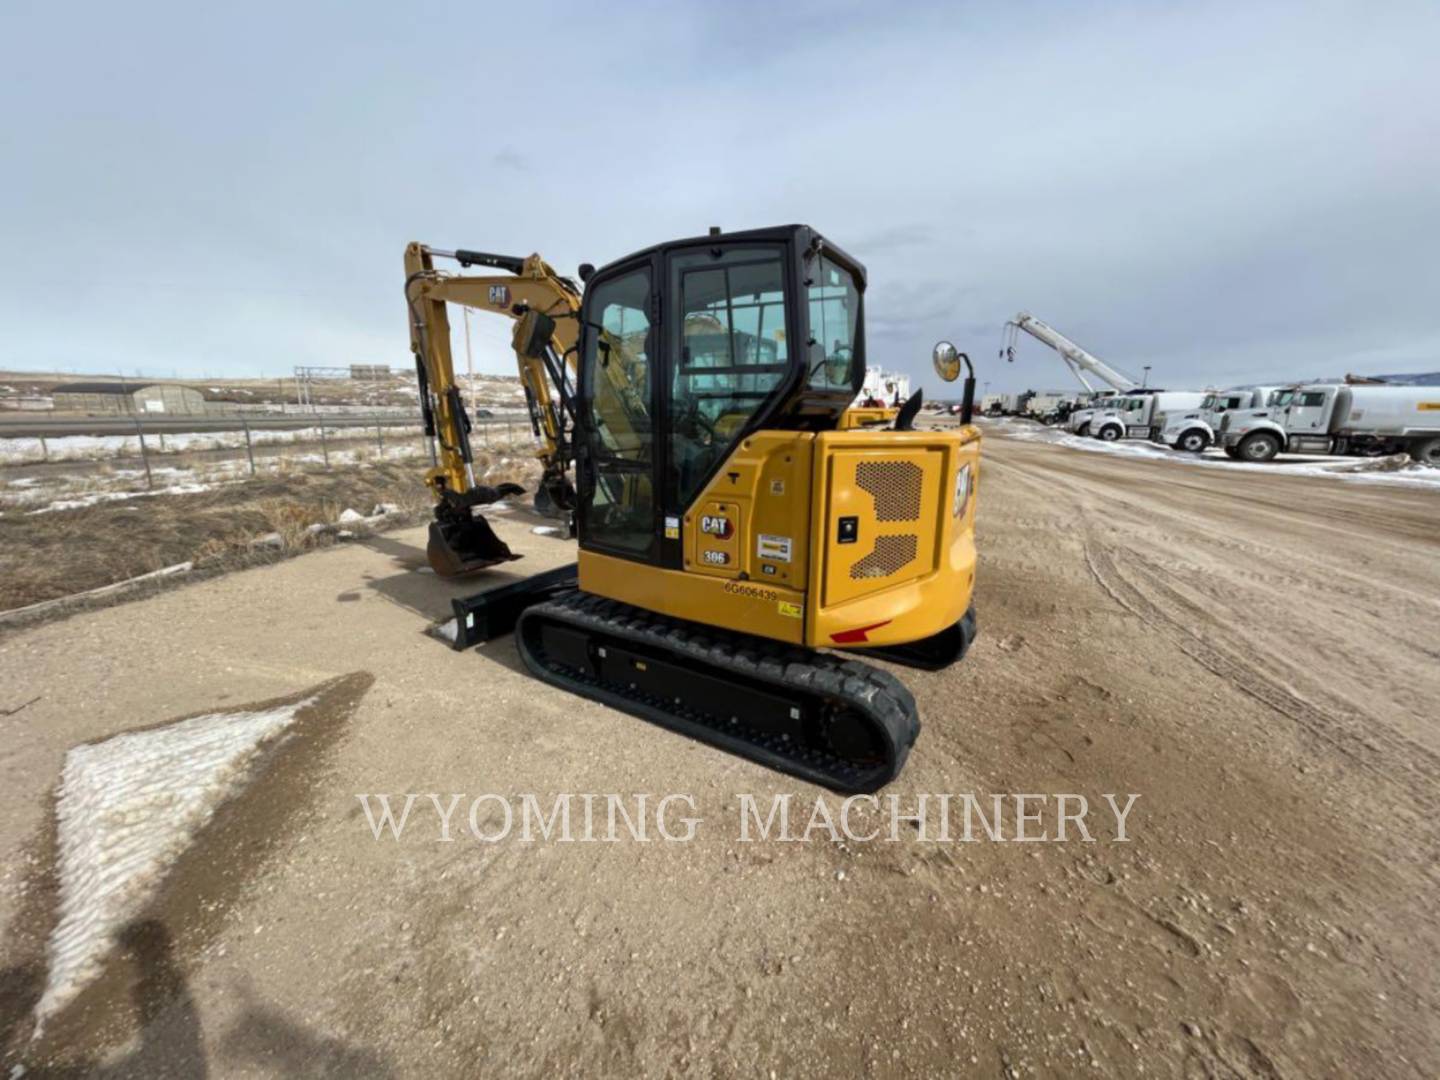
{"x": 128, "y": 808}
{"x": 96, "y": 497}
{"x": 449, "y": 630}
{"x": 1394, "y": 469}
{"x": 547, "y": 530}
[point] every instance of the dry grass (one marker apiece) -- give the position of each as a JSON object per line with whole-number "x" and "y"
{"x": 45, "y": 556}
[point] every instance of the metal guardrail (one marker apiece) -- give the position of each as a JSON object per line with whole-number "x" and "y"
{"x": 148, "y": 430}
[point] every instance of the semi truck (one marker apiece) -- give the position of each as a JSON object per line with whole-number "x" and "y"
{"x": 1132, "y": 415}
{"x": 1325, "y": 418}
{"x": 1194, "y": 430}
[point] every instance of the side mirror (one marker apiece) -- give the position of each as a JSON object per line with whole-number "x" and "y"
{"x": 947, "y": 361}
{"x": 587, "y": 271}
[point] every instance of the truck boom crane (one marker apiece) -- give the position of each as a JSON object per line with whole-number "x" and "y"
{"x": 1078, "y": 360}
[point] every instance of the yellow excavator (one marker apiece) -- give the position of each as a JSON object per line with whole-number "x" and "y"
{"x": 744, "y": 544}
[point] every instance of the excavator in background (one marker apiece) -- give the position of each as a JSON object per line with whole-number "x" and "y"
{"x": 744, "y": 546}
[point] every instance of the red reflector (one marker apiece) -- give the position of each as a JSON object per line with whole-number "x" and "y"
{"x": 851, "y": 637}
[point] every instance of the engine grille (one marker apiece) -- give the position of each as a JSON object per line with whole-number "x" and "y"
{"x": 895, "y": 487}
{"x": 891, "y": 554}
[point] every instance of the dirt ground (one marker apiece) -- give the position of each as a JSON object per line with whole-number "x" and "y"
{"x": 1256, "y": 658}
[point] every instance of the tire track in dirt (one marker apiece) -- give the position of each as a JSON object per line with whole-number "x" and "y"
{"x": 1152, "y": 585}
{"x": 1389, "y": 755}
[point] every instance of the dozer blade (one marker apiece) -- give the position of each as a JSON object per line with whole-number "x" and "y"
{"x": 457, "y": 548}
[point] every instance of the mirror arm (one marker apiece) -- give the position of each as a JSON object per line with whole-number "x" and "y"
{"x": 967, "y": 403}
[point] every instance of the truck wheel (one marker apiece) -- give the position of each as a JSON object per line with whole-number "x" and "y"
{"x": 1232, "y": 453}
{"x": 1262, "y": 446}
{"x": 1109, "y": 433}
{"x": 1193, "y": 441}
{"x": 1426, "y": 452}
{"x": 1083, "y": 429}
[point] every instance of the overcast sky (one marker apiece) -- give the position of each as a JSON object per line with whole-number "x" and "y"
{"x": 1226, "y": 192}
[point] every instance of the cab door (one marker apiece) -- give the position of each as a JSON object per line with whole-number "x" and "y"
{"x": 1310, "y": 412}
{"x": 730, "y": 339}
{"x": 617, "y": 467}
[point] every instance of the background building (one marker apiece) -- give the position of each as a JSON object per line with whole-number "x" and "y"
{"x": 105, "y": 398}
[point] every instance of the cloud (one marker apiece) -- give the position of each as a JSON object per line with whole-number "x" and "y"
{"x": 1222, "y": 191}
{"x": 509, "y": 159}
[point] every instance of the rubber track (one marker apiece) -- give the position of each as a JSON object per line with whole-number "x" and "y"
{"x": 801, "y": 674}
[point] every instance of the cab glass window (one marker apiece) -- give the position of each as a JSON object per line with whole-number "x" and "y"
{"x": 834, "y": 303}
{"x": 733, "y": 356}
{"x": 620, "y": 504}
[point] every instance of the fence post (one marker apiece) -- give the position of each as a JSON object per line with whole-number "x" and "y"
{"x": 509, "y": 434}
{"x": 380, "y": 438}
{"x": 249, "y": 449}
{"x": 44, "y": 450}
{"x": 144, "y": 452}
{"x": 162, "y": 441}
{"x": 324, "y": 448}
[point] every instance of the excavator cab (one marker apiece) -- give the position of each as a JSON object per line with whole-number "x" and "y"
{"x": 686, "y": 348}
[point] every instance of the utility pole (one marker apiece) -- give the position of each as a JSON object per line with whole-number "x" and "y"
{"x": 469, "y": 360}
{"x": 1145, "y": 379}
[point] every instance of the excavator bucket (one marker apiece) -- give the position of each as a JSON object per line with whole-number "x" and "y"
{"x": 457, "y": 548}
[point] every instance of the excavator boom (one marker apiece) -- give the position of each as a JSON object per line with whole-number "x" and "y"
{"x": 544, "y": 307}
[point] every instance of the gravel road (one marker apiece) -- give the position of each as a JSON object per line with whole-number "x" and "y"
{"x": 1255, "y": 657}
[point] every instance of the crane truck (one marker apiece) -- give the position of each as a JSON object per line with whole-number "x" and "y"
{"x": 1324, "y": 418}
{"x": 1078, "y": 360}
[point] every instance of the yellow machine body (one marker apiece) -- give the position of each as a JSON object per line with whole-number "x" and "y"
{"x": 836, "y": 539}
{"x": 860, "y": 416}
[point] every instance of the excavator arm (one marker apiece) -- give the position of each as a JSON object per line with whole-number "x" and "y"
{"x": 544, "y": 307}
